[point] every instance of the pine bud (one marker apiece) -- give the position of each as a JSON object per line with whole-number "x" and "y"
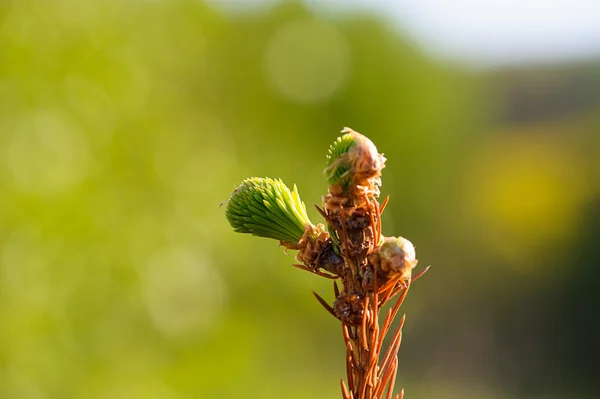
{"x": 396, "y": 257}
{"x": 353, "y": 159}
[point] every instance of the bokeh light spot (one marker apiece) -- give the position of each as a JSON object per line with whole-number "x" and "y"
{"x": 47, "y": 154}
{"x": 20, "y": 385}
{"x": 182, "y": 291}
{"x": 307, "y": 61}
{"x": 23, "y": 273}
{"x": 92, "y": 104}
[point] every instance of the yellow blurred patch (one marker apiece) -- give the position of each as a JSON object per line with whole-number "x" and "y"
{"x": 524, "y": 190}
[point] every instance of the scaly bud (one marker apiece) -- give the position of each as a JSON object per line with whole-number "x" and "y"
{"x": 353, "y": 171}
{"x": 396, "y": 257}
{"x": 353, "y": 160}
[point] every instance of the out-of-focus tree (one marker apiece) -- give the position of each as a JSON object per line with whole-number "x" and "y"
{"x": 123, "y": 125}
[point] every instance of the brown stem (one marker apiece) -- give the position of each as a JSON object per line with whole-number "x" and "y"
{"x": 353, "y": 215}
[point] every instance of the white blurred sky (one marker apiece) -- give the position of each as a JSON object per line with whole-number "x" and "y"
{"x": 487, "y": 32}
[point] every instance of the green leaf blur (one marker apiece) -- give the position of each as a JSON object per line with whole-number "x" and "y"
{"x": 124, "y": 125}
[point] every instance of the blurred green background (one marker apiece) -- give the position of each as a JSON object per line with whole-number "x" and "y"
{"x": 124, "y": 125}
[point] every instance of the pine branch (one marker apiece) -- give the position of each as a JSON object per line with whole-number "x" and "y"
{"x": 349, "y": 247}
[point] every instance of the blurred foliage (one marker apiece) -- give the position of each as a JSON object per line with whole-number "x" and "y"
{"x": 124, "y": 125}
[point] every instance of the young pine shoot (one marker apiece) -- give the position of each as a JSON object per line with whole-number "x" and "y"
{"x": 371, "y": 269}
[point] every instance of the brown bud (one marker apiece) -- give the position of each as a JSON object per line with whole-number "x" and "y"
{"x": 349, "y": 308}
{"x": 316, "y": 250}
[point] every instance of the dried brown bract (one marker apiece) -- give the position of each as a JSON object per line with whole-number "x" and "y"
{"x": 349, "y": 308}
{"x": 317, "y": 252}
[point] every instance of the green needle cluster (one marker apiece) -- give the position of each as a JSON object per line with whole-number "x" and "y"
{"x": 337, "y": 160}
{"x": 266, "y": 207}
